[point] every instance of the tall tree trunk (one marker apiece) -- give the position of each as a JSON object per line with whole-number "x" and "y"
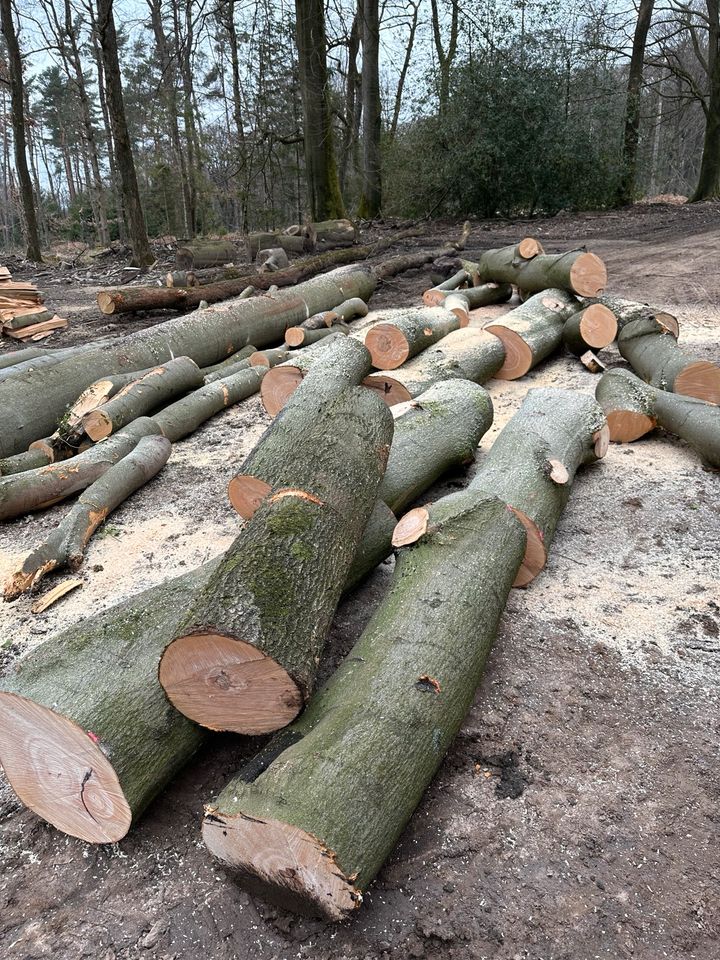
{"x": 371, "y": 200}
{"x": 324, "y": 198}
{"x": 708, "y": 187}
{"x": 626, "y": 189}
{"x": 142, "y": 254}
{"x": 352, "y": 103}
{"x": 226, "y": 14}
{"x": 403, "y": 73}
{"x": 17, "y": 100}
{"x": 445, "y": 57}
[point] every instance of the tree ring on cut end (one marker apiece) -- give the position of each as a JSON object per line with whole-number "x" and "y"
{"x": 278, "y": 386}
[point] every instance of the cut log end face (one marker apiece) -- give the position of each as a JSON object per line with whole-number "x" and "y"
{"x": 557, "y": 471}
{"x": 700, "y": 379}
{"x": 392, "y": 390}
{"x": 598, "y": 326}
{"x": 518, "y": 355}
{"x": 411, "y": 527}
{"x": 278, "y": 386}
{"x": 60, "y": 772}
{"x": 224, "y": 683}
{"x": 247, "y": 493}
{"x": 294, "y": 336}
{"x": 282, "y": 862}
{"x": 97, "y": 425}
{"x": 535, "y": 553}
{"x": 388, "y": 346}
{"x": 434, "y": 297}
{"x": 628, "y": 425}
{"x": 529, "y": 247}
{"x": 588, "y": 275}
{"x": 601, "y": 439}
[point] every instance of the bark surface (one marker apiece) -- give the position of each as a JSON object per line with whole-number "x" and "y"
{"x": 400, "y": 334}
{"x": 577, "y": 271}
{"x": 628, "y": 310}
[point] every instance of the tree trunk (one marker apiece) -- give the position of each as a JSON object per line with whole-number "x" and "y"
{"x": 404, "y": 70}
{"x": 302, "y": 337}
{"x": 398, "y": 335}
{"x": 626, "y": 190}
{"x": 30, "y": 460}
{"x": 655, "y": 356}
{"x": 205, "y": 253}
{"x": 142, "y": 254}
{"x": 628, "y": 310}
{"x": 474, "y": 297}
{"x": 468, "y": 354}
{"x": 342, "y": 314}
{"x": 230, "y": 361}
{"x": 323, "y": 187}
{"x": 247, "y": 653}
{"x": 532, "y": 463}
{"x": 371, "y": 197}
{"x": 593, "y": 328}
{"x": 333, "y": 233}
{"x": 634, "y": 408}
{"x": 581, "y": 273}
{"x": 17, "y": 101}
{"x": 311, "y": 826}
{"x": 143, "y": 396}
{"x": 708, "y": 187}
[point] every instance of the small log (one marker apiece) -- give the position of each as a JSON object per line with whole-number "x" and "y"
{"x": 246, "y": 656}
{"x": 591, "y": 362}
{"x": 230, "y": 361}
{"x": 183, "y": 278}
{"x": 286, "y": 376}
{"x": 311, "y": 824}
{"x": 205, "y": 253}
{"x": 333, "y": 233}
{"x": 626, "y": 311}
{"x": 532, "y": 331}
{"x": 579, "y": 272}
{"x": 343, "y": 313}
{"x": 474, "y": 297}
{"x": 399, "y": 335}
{"x": 534, "y": 459}
{"x": 592, "y": 328}
{"x": 272, "y": 259}
{"x": 468, "y": 354}
{"x": 24, "y": 317}
{"x": 30, "y": 460}
{"x": 143, "y": 396}
{"x": 301, "y": 337}
{"x": 35, "y": 329}
{"x": 270, "y": 358}
{"x": 435, "y": 295}
{"x": 290, "y": 244}
{"x": 66, "y": 544}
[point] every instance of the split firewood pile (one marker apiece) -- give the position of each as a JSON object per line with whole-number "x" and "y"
{"x": 370, "y": 410}
{"x": 22, "y": 315}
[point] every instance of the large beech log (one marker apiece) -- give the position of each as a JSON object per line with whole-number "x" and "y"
{"x": 21, "y": 462}
{"x": 532, "y": 463}
{"x": 532, "y": 331}
{"x": 246, "y": 655}
{"x": 143, "y": 396}
{"x": 32, "y": 401}
{"x": 287, "y": 375}
{"x": 21, "y": 356}
{"x": 205, "y": 253}
{"x": 337, "y": 366}
{"x": 333, "y": 233}
{"x": 626, "y": 311}
{"x": 66, "y": 544}
{"x": 593, "y": 328}
{"x": 577, "y": 271}
{"x": 35, "y": 489}
{"x": 312, "y": 822}
{"x": 399, "y": 335}
{"x": 656, "y": 357}
{"x": 475, "y": 297}
{"x": 467, "y": 354}
{"x": 634, "y": 408}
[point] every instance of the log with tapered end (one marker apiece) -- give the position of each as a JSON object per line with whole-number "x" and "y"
{"x": 474, "y": 297}
{"x": 66, "y": 544}
{"x": 532, "y": 331}
{"x": 33, "y": 400}
{"x": 284, "y": 378}
{"x": 311, "y": 825}
{"x": 142, "y": 396}
{"x": 246, "y": 656}
{"x": 183, "y": 417}
{"x": 87, "y": 736}
{"x": 399, "y": 335}
{"x": 437, "y": 431}
{"x": 655, "y": 356}
{"x": 467, "y": 354}
{"x": 224, "y": 372}
{"x": 626, "y": 311}
{"x": 633, "y": 408}
{"x": 36, "y": 489}
{"x": 532, "y": 463}
{"x": 303, "y": 337}
{"x": 271, "y": 463}
{"x": 592, "y": 328}
{"x": 577, "y": 271}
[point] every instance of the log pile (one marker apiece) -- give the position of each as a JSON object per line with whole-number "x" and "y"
{"x": 22, "y": 316}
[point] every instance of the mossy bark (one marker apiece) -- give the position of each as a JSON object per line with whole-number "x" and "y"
{"x": 360, "y": 757}
{"x": 400, "y": 334}
{"x": 286, "y": 376}
{"x": 33, "y": 400}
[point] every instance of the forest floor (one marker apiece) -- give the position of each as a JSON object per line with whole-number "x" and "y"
{"x": 576, "y": 815}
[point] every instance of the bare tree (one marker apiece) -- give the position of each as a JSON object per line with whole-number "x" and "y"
{"x": 371, "y": 199}
{"x": 709, "y": 180}
{"x": 445, "y": 55}
{"x": 626, "y": 191}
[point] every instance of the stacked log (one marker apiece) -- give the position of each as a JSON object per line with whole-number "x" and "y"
{"x": 625, "y": 311}
{"x": 481, "y": 296}
{"x": 289, "y": 367}
{"x": 592, "y": 328}
{"x": 529, "y": 269}
{"x": 400, "y": 334}
{"x": 205, "y": 253}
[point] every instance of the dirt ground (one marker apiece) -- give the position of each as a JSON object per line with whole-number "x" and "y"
{"x": 575, "y": 817}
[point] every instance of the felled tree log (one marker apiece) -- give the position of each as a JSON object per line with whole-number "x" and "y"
{"x": 33, "y": 400}
{"x": 626, "y": 311}
{"x": 21, "y": 356}
{"x": 310, "y": 826}
{"x": 302, "y": 337}
{"x": 230, "y": 361}
{"x": 270, "y": 358}
{"x": 399, "y": 335}
{"x": 87, "y": 706}
{"x": 36, "y": 489}
{"x": 198, "y": 278}
{"x": 343, "y": 313}
{"x": 532, "y": 331}
{"x": 532, "y": 463}
{"x": 143, "y": 396}
{"x": 593, "y": 328}
{"x": 654, "y": 355}
{"x": 205, "y": 253}
{"x": 333, "y": 233}
{"x": 247, "y": 653}
{"x": 66, "y": 544}
{"x": 468, "y": 354}
{"x": 290, "y": 244}
{"x": 577, "y": 271}
{"x": 475, "y": 297}
{"x": 286, "y": 376}
{"x": 21, "y": 462}
{"x": 634, "y": 408}
{"x": 435, "y": 295}
{"x": 28, "y": 318}
{"x": 271, "y": 463}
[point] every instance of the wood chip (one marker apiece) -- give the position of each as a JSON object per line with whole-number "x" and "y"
{"x": 52, "y": 596}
